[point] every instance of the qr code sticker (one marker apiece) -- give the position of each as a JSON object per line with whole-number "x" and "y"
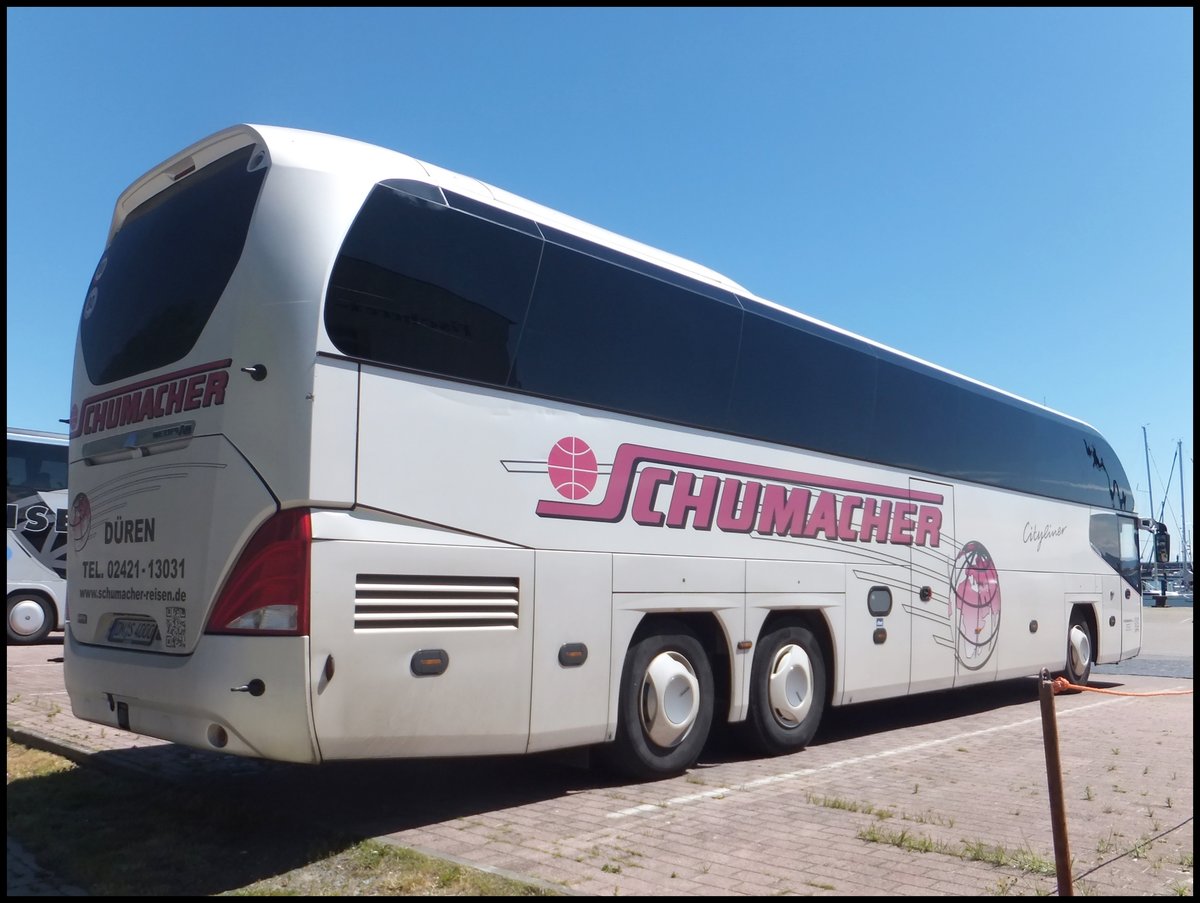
{"x": 176, "y": 626}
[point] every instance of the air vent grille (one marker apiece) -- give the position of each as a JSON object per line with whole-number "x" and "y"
{"x": 392, "y": 601}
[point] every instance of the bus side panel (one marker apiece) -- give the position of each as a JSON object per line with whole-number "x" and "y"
{"x": 37, "y": 523}
{"x": 1116, "y": 598}
{"x": 663, "y": 584}
{"x": 573, "y": 601}
{"x": 795, "y": 588}
{"x": 878, "y": 646}
{"x": 934, "y": 600}
{"x": 381, "y": 609}
{"x": 36, "y": 546}
{"x": 1019, "y": 558}
{"x": 335, "y": 433}
{"x": 1033, "y": 625}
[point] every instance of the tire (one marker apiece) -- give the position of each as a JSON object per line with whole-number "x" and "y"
{"x": 665, "y": 709}
{"x": 1081, "y": 646}
{"x": 788, "y": 684}
{"x": 30, "y": 619}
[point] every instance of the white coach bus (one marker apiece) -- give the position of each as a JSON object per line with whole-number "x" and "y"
{"x": 37, "y": 534}
{"x": 370, "y": 459}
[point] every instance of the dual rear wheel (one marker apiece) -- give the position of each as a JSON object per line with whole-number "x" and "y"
{"x": 667, "y": 696}
{"x": 787, "y": 691}
{"x": 665, "y": 708}
{"x": 667, "y": 700}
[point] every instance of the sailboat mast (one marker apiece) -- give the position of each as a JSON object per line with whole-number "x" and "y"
{"x": 1182, "y": 513}
{"x": 1150, "y": 489}
{"x": 1149, "y": 482}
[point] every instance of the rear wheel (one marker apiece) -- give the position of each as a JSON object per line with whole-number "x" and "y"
{"x": 30, "y": 618}
{"x": 787, "y": 691}
{"x": 1080, "y": 649}
{"x": 665, "y": 708}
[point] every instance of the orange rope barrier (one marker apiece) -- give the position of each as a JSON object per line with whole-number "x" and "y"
{"x": 1059, "y": 684}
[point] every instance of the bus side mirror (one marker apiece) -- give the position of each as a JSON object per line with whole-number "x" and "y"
{"x": 1162, "y": 545}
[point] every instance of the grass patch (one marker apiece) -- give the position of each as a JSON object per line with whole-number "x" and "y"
{"x": 1025, "y": 860}
{"x": 117, "y": 834}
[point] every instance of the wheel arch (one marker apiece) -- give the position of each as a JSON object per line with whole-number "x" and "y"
{"x": 1087, "y": 610}
{"x": 1077, "y": 671}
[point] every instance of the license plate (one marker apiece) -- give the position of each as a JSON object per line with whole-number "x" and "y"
{"x": 133, "y": 631}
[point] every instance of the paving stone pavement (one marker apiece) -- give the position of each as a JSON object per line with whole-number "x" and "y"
{"x": 962, "y": 775}
{"x": 27, "y": 879}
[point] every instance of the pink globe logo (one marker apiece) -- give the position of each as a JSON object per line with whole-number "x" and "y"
{"x": 572, "y": 466}
{"x": 977, "y": 598}
{"x": 80, "y": 520}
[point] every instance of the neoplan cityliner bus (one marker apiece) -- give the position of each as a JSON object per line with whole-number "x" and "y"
{"x": 370, "y": 459}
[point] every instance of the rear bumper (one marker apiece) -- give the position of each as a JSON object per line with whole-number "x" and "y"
{"x": 194, "y": 700}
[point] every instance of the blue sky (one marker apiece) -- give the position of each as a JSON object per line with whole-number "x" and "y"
{"x": 1004, "y": 192}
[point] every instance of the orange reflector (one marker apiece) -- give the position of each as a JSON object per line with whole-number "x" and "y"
{"x": 427, "y": 662}
{"x": 571, "y": 655}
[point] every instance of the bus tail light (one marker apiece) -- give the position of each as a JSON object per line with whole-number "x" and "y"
{"x": 268, "y": 592}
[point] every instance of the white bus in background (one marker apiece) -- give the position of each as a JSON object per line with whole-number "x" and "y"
{"x": 37, "y": 534}
{"x": 370, "y": 459}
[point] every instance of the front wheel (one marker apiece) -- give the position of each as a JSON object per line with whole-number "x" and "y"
{"x": 787, "y": 691}
{"x": 1080, "y": 650}
{"x": 665, "y": 708}
{"x": 30, "y": 619}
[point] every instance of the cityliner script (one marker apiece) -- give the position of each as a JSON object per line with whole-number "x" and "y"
{"x": 657, "y": 487}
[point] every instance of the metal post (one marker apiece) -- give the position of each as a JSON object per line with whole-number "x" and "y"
{"x": 1058, "y": 809}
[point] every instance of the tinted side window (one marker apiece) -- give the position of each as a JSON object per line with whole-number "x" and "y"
{"x": 422, "y": 286}
{"x": 999, "y": 443}
{"x": 645, "y": 267}
{"x": 605, "y": 335}
{"x": 1075, "y": 463}
{"x": 943, "y": 425}
{"x": 801, "y": 384}
{"x": 798, "y": 387}
{"x": 919, "y": 421}
{"x": 35, "y": 467}
{"x": 159, "y": 280}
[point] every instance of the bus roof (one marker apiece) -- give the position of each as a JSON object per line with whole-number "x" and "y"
{"x": 372, "y": 163}
{"x": 38, "y": 436}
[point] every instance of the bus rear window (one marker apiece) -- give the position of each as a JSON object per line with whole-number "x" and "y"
{"x": 157, "y": 283}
